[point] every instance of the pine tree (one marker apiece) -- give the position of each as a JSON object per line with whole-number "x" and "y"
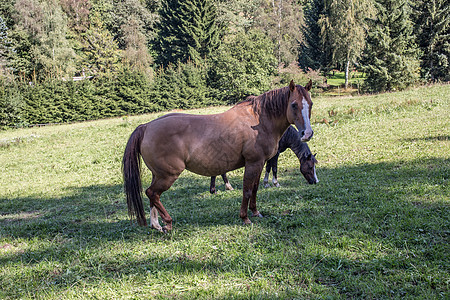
{"x": 432, "y": 25}
{"x": 312, "y": 52}
{"x": 202, "y": 32}
{"x": 391, "y": 57}
{"x": 3, "y": 38}
{"x": 100, "y": 51}
{"x": 188, "y": 30}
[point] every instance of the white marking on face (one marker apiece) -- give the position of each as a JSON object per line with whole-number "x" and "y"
{"x": 315, "y": 175}
{"x": 305, "y": 115}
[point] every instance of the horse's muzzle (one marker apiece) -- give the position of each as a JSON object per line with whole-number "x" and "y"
{"x": 306, "y": 135}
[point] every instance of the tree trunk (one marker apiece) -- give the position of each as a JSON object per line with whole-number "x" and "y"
{"x": 347, "y": 65}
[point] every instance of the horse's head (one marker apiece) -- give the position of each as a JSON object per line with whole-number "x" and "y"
{"x": 299, "y": 109}
{"x": 308, "y": 167}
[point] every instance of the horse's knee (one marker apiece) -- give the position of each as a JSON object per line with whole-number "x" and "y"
{"x": 248, "y": 193}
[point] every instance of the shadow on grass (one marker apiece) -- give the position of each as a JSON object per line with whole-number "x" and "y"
{"x": 429, "y": 138}
{"x": 362, "y": 187}
{"x": 394, "y": 206}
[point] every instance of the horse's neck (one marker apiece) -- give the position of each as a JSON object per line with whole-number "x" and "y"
{"x": 298, "y": 147}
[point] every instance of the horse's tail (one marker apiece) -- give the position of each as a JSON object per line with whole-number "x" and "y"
{"x": 131, "y": 168}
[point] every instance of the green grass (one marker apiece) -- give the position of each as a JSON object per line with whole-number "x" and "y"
{"x": 338, "y": 78}
{"x": 376, "y": 226}
{"x": 336, "y": 84}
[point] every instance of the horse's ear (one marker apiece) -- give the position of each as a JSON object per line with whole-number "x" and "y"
{"x": 309, "y": 85}
{"x": 315, "y": 154}
{"x": 292, "y": 85}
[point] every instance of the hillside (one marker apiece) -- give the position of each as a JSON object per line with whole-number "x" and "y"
{"x": 375, "y": 226}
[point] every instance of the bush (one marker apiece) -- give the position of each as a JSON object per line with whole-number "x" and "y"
{"x": 243, "y": 65}
{"x": 126, "y": 93}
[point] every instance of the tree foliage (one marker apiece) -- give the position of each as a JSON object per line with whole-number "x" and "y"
{"x": 189, "y": 30}
{"x": 280, "y": 21}
{"x": 343, "y": 30}
{"x": 137, "y": 56}
{"x": 432, "y": 25}
{"x": 391, "y": 58}
{"x": 313, "y": 52}
{"x": 243, "y": 66}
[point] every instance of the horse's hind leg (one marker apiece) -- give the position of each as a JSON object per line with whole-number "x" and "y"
{"x": 158, "y": 186}
{"x": 227, "y": 182}
{"x": 212, "y": 185}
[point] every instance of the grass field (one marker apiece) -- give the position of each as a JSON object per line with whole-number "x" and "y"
{"x": 338, "y": 79}
{"x": 376, "y": 226}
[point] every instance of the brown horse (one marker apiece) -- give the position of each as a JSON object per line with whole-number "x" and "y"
{"x": 244, "y": 136}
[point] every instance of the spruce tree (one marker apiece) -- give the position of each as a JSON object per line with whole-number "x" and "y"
{"x": 432, "y": 25}
{"x": 188, "y": 31}
{"x": 100, "y": 51}
{"x": 391, "y": 57}
{"x": 312, "y": 53}
{"x": 170, "y": 43}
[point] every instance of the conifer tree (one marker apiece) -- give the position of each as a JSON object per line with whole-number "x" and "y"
{"x": 312, "y": 52}
{"x": 202, "y": 32}
{"x": 100, "y": 51}
{"x": 391, "y": 57}
{"x": 432, "y": 25}
{"x": 188, "y": 30}
{"x": 3, "y": 38}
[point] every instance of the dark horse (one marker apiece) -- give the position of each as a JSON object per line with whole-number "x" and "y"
{"x": 290, "y": 139}
{"x": 248, "y": 135}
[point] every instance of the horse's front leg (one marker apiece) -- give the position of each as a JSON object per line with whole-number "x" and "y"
{"x": 252, "y": 175}
{"x": 275, "y": 171}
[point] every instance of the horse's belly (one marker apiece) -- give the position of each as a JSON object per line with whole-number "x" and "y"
{"x": 213, "y": 165}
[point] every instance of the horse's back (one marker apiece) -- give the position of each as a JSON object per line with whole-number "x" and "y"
{"x": 204, "y": 144}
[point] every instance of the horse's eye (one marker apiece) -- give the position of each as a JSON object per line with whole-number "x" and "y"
{"x": 294, "y": 105}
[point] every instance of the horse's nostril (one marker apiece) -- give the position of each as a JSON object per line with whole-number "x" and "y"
{"x": 302, "y": 133}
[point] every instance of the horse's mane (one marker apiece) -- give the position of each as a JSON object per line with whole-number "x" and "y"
{"x": 273, "y": 102}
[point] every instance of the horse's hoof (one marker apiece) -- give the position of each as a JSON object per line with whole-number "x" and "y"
{"x": 167, "y": 228}
{"x": 277, "y": 185}
{"x": 247, "y": 221}
{"x": 266, "y": 185}
{"x": 258, "y": 214}
{"x": 160, "y": 229}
